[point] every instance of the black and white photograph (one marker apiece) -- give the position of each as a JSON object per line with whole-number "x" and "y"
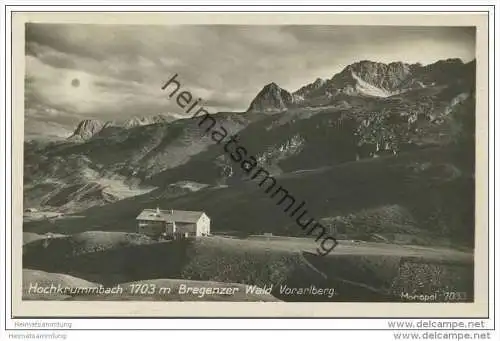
{"x": 249, "y": 163}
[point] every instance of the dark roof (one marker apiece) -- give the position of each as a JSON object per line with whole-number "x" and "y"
{"x": 170, "y": 215}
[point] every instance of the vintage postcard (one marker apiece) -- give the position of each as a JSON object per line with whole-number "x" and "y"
{"x": 264, "y": 165}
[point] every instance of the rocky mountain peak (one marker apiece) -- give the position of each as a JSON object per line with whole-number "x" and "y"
{"x": 272, "y": 86}
{"x": 146, "y": 120}
{"x": 271, "y": 98}
{"x": 318, "y": 82}
{"x": 86, "y": 129}
{"x": 309, "y": 88}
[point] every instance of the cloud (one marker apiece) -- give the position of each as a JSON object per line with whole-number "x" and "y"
{"x": 34, "y": 129}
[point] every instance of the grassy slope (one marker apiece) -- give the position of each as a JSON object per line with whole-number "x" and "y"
{"x": 368, "y": 271}
{"x": 421, "y": 185}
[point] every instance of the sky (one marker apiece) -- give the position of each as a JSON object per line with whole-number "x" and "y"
{"x": 115, "y": 72}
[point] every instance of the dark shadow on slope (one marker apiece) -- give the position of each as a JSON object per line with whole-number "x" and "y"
{"x": 110, "y": 267}
{"x": 361, "y": 278}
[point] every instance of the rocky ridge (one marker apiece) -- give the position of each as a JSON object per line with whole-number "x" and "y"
{"x": 88, "y": 128}
{"x": 367, "y": 79}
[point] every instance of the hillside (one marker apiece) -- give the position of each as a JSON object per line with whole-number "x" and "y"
{"x": 381, "y": 154}
{"x": 109, "y": 167}
{"x": 366, "y": 272}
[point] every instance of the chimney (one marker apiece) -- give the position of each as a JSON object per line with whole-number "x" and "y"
{"x": 171, "y": 211}
{"x": 157, "y": 210}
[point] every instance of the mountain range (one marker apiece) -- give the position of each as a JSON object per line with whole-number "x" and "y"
{"x": 361, "y": 79}
{"x": 392, "y": 141}
{"x": 365, "y": 78}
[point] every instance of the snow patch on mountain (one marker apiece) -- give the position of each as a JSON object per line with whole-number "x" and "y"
{"x": 365, "y": 88}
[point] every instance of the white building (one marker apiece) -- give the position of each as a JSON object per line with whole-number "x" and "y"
{"x": 173, "y": 223}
